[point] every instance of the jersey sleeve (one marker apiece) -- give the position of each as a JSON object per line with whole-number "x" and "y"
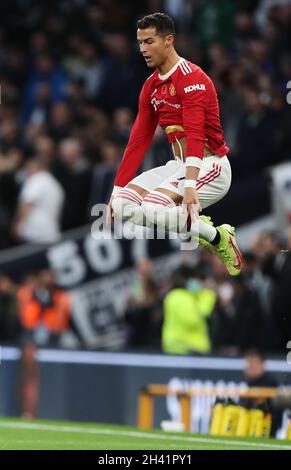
{"x": 194, "y": 92}
{"x": 139, "y": 141}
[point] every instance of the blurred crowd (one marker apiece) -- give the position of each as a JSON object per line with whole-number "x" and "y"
{"x": 197, "y": 309}
{"x": 71, "y": 72}
{"x": 35, "y": 312}
{"x": 201, "y": 310}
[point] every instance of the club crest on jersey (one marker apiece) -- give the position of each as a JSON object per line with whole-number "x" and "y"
{"x": 172, "y": 90}
{"x": 174, "y": 183}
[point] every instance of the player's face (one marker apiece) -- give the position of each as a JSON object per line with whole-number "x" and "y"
{"x": 154, "y": 48}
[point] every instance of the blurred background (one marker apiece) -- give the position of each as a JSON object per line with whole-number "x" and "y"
{"x": 70, "y": 76}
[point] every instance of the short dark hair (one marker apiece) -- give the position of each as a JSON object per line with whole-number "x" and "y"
{"x": 163, "y": 23}
{"x": 253, "y": 352}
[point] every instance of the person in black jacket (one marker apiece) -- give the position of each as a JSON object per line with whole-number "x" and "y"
{"x": 257, "y": 376}
{"x": 277, "y": 266}
{"x": 255, "y": 372}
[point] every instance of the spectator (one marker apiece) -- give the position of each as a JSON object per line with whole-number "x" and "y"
{"x": 262, "y": 285}
{"x": 93, "y": 71}
{"x": 44, "y": 312}
{"x": 256, "y": 136}
{"x": 256, "y": 376}
{"x": 143, "y": 314}
{"x": 9, "y": 189}
{"x": 40, "y": 205}
{"x": 104, "y": 173}
{"x": 45, "y": 71}
{"x": 44, "y": 148}
{"x": 60, "y": 121}
{"x": 124, "y": 75}
{"x": 123, "y": 120}
{"x": 94, "y": 128}
{"x": 255, "y": 373}
{"x": 277, "y": 266}
{"x": 187, "y": 308}
{"x": 219, "y": 18}
{"x": 10, "y": 135}
{"x": 238, "y": 323}
{"x": 249, "y": 326}
{"x": 39, "y": 112}
{"x": 9, "y": 324}
{"x": 74, "y": 173}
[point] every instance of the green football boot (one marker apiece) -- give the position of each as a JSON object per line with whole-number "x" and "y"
{"x": 226, "y": 250}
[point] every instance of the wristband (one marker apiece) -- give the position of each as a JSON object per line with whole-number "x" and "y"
{"x": 194, "y": 161}
{"x": 190, "y": 184}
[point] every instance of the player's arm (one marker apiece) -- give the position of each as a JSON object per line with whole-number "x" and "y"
{"x": 194, "y": 98}
{"x": 139, "y": 141}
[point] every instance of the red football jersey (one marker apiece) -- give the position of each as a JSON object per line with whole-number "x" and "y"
{"x": 184, "y": 97}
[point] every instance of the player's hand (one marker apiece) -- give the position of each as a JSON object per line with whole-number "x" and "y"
{"x": 110, "y": 215}
{"x": 191, "y": 204}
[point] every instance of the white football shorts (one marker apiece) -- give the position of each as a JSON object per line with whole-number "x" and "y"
{"x": 213, "y": 183}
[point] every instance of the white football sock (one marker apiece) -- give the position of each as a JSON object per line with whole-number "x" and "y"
{"x": 206, "y": 231}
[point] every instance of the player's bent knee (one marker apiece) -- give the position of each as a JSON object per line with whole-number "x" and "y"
{"x": 154, "y": 205}
{"x": 125, "y": 202}
{"x": 123, "y": 208}
{"x": 118, "y": 206}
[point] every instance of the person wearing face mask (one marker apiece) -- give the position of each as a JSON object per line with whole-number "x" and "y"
{"x": 187, "y": 308}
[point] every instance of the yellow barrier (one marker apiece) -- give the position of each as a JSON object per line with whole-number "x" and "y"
{"x": 147, "y": 395}
{"x": 243, "y": 423}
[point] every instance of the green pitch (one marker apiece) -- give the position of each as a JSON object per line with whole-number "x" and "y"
{"x": 24, "y": 434}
